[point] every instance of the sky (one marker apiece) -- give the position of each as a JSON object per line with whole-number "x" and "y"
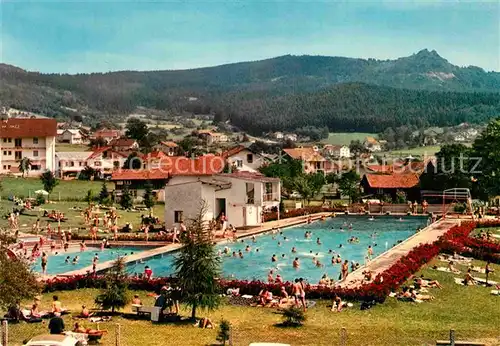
{"x": 85, "y": 36}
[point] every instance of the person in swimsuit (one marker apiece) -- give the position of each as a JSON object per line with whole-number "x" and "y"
{"x": 345, "y": 269}
{"x": 44, "y": 263}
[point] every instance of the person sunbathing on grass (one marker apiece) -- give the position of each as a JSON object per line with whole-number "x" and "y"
{"x": 427, "y": 283}
{"x": 452, "y": 268}
{"x": 77, "y": 328}
{"x": 417, "y": 296}
{"x": 468, "y": 279}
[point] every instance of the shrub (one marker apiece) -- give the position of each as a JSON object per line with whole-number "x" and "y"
{"x": 293, "y": 316}
{"x": 224, "y": 331}
{"x": 40, "y": 199}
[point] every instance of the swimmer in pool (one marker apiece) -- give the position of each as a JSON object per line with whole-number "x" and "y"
{"x": 294, "y": 250}
{"x": 248, "y": 249}
{"x": 254, "y": 240}
{"x": 274, "y": 258}
{"x": 318, "y": 241}
{"x": 234, "y": 253}
{"x": 296, "y": 263}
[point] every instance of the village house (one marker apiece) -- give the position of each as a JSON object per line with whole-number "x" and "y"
{"x": 168, "y": 170}
{"x": 372, "y": 145}
{"x": 106, "y": 160}
{"x": 123, "y": 144}
{"x": 337, "y": 151}
{"x": 313, "y": 161}
{"x": 291, "y": 137}
{"x": 243, "y": 197}
{"x": 389, "y": 184}
{"x": 278, "y": 135}
{"x": 107, "y": 134}
{"x": 31, "y": 138}
{"x": 211, "y": 137}
{"x": 242, "y": 158}
{"x": 70, "y": 136}
{"x": 71, "y": 163}
{"x": 168, "y": 147}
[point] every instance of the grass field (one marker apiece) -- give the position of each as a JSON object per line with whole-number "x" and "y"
{"x": 345, "y": 138}
{"x": 471, "y": 311}
{"x": 420, "y": 151}
{"x": 75, "y": 220}
{"x": 66, "y": 189}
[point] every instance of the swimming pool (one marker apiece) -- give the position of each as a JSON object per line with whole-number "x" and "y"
{"x": 56, "y": 263}
{"x": 332, "y": 232}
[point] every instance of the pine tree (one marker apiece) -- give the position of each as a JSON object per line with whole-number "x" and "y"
{"x": 49, "y": 181}
{"x": 115, "y": 294}
{"x": 126, "y": 200}
{"x": 104, "y": 196}
{"x": 198, "y": 267}
{"x": 149, "y": 197}
{"x": 224, "y": 331}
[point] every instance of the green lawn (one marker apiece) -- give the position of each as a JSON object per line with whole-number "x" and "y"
{"x": 420, "y": 151}
{"x": 75, "y": 220}
{"x": 345, "y": 138}
{"x": 65, "y": 190}
{"x": 471, "y": 311}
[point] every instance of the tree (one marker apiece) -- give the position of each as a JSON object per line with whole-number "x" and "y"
{"x": 133, "y": 161}
{"x": 302, "y": 185}
{"x": 486, "y": 153}
{"x": 89, "y": 198}
{"x": 88, "y": 173}
{"x": 149, "y": 197}
{"x": 114, "y": 296}
{"x": 349, "y": 185}
{"x": 49, "y": 181}
{"x": 224, "y": 331}
{"x": 97, "y": 142}
{"x": 17, "y": 280}
{"x": 357, "y": 148}
{"x": 198, "y": 266}
{"x": 316, "y": 181}
{"x": 104, "y": 195}
{"x": 136, "y": 129}
{"x": 126, "y": 199}
{"x": 24, "y": 165}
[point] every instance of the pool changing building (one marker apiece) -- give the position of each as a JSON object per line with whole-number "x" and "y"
{"x": 242, "y": 196}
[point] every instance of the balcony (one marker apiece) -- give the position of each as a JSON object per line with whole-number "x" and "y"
{"x": 270, "y": 197}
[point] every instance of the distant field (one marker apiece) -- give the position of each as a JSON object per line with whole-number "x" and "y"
{"x": 71, "y": 147}
{"x": 345, "y": 138}
{"x": 421, "y": 151}
{"x": 66, "y": 189}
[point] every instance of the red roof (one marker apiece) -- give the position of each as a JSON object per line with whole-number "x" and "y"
{"x": 233, "y": 151}
{"x": 249, "y": 176}
{"x": 392, "y": 181}
{"x": 100, "y": 150}
{"x": 380, "y": 168}
{"x": 169, "y": 144}
{"x": 139, "y": 174}
{"x": 122, "y": 142}
{"x": 27, "y": 127}
{"x": 174, "y": 166}
{"x": 107, "y": 133}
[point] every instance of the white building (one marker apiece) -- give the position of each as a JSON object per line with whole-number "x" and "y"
{"x": 243, "y": 159}
{"x": 70, "y": 163}
{"x": 33, "y": 138}
{"x": 337, "y": 151}
{"x": 106, "y": 160}
{"x": 241, "y": 196}
{"x": 70, "y": 136}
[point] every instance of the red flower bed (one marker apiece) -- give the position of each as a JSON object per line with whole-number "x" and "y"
{"x": 454, "y": 240}
{"x": 125, "y": 237}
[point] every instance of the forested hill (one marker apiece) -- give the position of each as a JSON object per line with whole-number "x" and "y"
{"x": 284, "y": 84}
{"x": 360, "y": 107}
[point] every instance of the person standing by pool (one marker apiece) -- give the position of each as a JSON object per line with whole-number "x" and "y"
{"x": 270, "y": 277}
{"x": 302, "y": 286}
{"x": 296, "y": 288}
{"x": 148, "y": 272}
{"x": 44, "y": 263}
{"x": 369, "y": 253}
{"x": 345, "y": 269}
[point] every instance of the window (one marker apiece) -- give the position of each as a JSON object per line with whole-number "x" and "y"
{"x": 10, "y": 140}
{"x": 116, "y": 164}
{"x": 5, "y": 141}
{"x": 80, "y": 163}
{"x": 35, "y": 140}
{"x": 72, "y": 163}
{"x": 97, "y": 163}
{"x": 60, "y": 164}
{"x": 8, "y": 166}
{"x": 5, "y": 152}
{"x": 250, "y": 158}
{"x": 177, "y": 216}
{"x": 35, "y": 153}
{"x": 18, "y": 155}
{"x": 18, "y": 142}
{"x": 36, "y": 167}
{"x": 250, "y": 193}
{"x": 4, "y": 167}
{"x": 10, "y": 152}
{"x": 239, "y": 163}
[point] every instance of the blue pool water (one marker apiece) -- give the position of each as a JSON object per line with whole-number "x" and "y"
{"x": 256, "y": 265}
{"x": 56, "y": 263}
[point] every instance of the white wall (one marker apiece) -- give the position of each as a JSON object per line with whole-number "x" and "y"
{"x": 186, "y": 198}
{"x": 256, "y": 163}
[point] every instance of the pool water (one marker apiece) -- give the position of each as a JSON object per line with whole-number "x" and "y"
{"x": 56, "y": 263}
{"x": 382, "y": 233}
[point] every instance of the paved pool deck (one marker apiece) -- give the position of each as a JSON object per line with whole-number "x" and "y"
{"x": 385, "y": 260}
{"x": 159, "y": 251}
